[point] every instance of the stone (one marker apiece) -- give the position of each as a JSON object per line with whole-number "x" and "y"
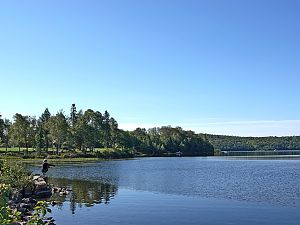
{"x": 35, "y": 177}
{"x": 53, "y": 203}
{"x": 62, "y": 193}
{"x": 25, "y": 205}
{"x": 27, "y": 192}
{"x": 42, "y": 189}
{"x": 22, "y": 210}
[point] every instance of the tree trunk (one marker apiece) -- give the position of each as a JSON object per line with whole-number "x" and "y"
{"x": 57, "y": 147}
{"x": 6, "y": 144}
{"x": 47, "y": 144}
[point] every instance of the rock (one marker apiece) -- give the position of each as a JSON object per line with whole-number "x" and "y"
{"x": 27, "y": 192}
{"x": 28, "y": 213}
{"x": 63, "y": 193}
{"x": 40, "y": 183}
{"x": 11, "y": 204}
{"x": 29, "y": 200}
{"x": 35, "y": 177}
{"x": 42, "y": 189}
{"x": 16, "y": 197}
{"x": 25, "y": 205}
{"x": 32, "y": 200}
{"x": 26, "y": 200}
{"x": 53, "y": 203}
{"x": 22, "y": 210}
{"x": 45, "y": 193}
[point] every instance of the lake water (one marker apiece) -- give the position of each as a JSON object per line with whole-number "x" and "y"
{"x": 179, "y": 190}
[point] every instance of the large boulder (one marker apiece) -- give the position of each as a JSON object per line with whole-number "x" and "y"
{"x": 41, "y": 188}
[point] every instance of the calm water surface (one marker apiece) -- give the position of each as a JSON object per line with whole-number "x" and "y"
{"x": 179, "y": 191}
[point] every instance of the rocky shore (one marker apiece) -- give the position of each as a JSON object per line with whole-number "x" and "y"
{"x": 25, "y": 202}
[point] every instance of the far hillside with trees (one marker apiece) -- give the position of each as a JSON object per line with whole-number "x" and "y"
{"x": 235, "y": 143}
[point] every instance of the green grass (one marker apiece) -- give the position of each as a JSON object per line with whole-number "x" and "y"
{"x": 15, "y": 149}
{"x": 61, "y": 160}
{"x": 66, "y": 156}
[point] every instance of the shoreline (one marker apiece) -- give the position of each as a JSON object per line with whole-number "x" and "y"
{"x": 81, "y": 160}
{"x": 277, "y": 157}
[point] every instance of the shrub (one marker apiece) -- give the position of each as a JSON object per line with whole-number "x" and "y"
{"x": 13, "y": 178}
{"x": 14, "y": 175}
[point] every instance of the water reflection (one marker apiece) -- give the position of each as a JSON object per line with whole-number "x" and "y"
{"x": 84, "y": 193}
{"x": 273, "y": 182}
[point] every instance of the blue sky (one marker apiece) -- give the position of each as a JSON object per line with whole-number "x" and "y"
{"x": 214, "y": 66}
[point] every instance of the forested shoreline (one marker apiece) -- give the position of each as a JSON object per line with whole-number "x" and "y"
{"x": 236, "y": 143}
{"x": 85, "y": 132}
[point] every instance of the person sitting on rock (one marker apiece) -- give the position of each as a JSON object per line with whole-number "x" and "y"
{"x": 46, "y": 166}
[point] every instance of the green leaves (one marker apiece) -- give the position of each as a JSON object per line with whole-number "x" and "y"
{"x": 168, "y": 140}
{"x": 8, "y": 216}
{"x": 14, "y": 175}
{"x": 12, "y": 179}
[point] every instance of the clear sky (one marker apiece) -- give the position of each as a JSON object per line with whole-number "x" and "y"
{"x": 214, "y": 66}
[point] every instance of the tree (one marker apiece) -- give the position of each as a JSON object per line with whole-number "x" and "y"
{"x": 31, "y": 132}
{"x": 1, "y": 129}
{"x": 7, "y": 127}
{"x": 113, "y": 125}
{"x": 73, "y": 115}
{"x": 88, "y": 127}
{"x": 45, "y": 116}
{"x": 76, "y": 134}
{"x": 106, "y": 131}
{"x": 40, "y": 138}
{"x": 169, "y": 140}
{"x": 20, "y": 130}
{"x": 43, "y": 131}
{"x": 58, "y": 129}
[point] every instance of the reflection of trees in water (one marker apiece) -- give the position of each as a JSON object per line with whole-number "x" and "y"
{"x": 84, "y": 193}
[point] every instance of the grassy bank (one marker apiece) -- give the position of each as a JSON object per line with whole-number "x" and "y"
{"x": 66, "y": 156}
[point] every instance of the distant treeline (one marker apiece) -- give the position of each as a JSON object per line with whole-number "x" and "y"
{"x": 86, "y": 130}
{"x": 234, "y": 143}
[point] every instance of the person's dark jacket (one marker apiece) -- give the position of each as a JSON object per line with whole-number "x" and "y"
{"x": 46, "y": 166}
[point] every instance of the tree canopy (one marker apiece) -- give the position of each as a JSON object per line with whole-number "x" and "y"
{"x": 85, "y": 131}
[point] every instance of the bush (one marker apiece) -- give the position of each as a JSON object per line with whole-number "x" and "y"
{"x": 14, "y": 175}
{"x": 13, "y": 178}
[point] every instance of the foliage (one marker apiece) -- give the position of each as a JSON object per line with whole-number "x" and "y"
{"x": 39, "y": 215}
{"x": 234, "y": 143}
{"x": 58, "y": 129}
{"x": 5, "y": 191}
{"x": 13, "y": 178}
{"x": 1, "y": 128}
{"x": 9, "y": 216}
{"x": 14, "y": 175}
{"x": 169, "y": 140}
{"x": 88, "y": 130}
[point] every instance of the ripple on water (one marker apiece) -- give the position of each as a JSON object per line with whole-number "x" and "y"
{"x": 266, "y": 181}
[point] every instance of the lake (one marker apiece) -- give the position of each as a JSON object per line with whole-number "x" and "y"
{"x": 178, "y": 190}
